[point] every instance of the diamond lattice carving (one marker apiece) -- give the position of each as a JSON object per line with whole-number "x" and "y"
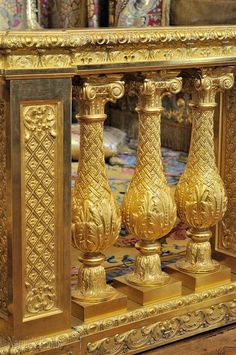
{"x": 40, "y": 212}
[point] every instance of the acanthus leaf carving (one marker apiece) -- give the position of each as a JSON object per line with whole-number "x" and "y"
{"x": 162, "y": 332}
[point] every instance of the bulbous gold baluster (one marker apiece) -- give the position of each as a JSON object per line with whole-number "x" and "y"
{"x": 148, "y": 209}
{"x": 95, "y": 214}
{"x": 200, "y": 194}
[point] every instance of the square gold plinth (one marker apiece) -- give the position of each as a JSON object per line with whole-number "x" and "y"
{"x": 145, "y": 295}
{"x": 93, "y": 311}
{"x": 198, "y": 282}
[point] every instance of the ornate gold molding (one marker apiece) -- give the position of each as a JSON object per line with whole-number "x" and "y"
{"x": 39, "y": 185}
{"x": 70, "y": 38}
{"x": 212, "y": 316}
{"x": 42, "y": 344}
{"x": 165, "y": 331}
{"x": 155, "y": 310}
{"x": 70, "y": 48}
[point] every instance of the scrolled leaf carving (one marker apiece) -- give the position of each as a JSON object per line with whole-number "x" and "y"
{"x": 162, "y": 332}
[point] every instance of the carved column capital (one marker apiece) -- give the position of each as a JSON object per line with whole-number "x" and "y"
{"x": 152, "y": 87}
{"x": 210, "y": 81}
{"x": 161, "y": 82}
{"x": 95, "y": 92}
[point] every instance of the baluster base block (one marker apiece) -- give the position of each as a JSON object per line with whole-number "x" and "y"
{"x": 198, "y": 282}
{"x": 197, "y": 268}
{"x": 148, "y": 294}
{"x": 87, "y": 311}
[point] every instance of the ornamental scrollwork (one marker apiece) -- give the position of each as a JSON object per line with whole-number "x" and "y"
{"x": 149, "y": 311}
{"x": 39, "y": 119}
{"x": 162, "y": 332}
{"x": 40, "y": 298}
{"x": 78, "y": 48}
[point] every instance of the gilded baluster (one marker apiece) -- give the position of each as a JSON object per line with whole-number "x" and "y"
{"x": 200, "y": 195}
{"x": 95, "y": 214}
{"x": 148, "y": 209}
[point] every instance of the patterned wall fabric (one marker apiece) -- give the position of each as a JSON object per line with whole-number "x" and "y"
{"x": 71, "y": 13}
{"x": 94, "y": 13}
{"x": 12, "y": 14}
{"x": 138, "y": 13}
{"x": 63, "y": 13}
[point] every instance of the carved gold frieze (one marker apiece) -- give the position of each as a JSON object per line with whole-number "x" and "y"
{"x": 221, "y": 312}
{"x": 70, "y": 48}
{"x": 39, "y": 126}
{"x": 155, "y": 310}
{"x": 39, "y": 345}
{"x": 3, "y": 212}
{"x": 37, "y": 60}
{"x": 165, "y": 331}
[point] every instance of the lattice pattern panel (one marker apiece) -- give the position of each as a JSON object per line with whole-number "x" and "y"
{"x": 39, "y": 180}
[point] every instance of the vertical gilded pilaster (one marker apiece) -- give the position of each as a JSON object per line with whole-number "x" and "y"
{"x": 148, "y": 209}
{"x": 41, "y": 126}
{"x": 200, "y": 195}
{"x": 3, "y": 208}
{"x": 95, "y": 214}
{"x": 35, "y": 206}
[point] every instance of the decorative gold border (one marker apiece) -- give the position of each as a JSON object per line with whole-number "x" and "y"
{"x": 155, "y": 310}
{"x": 168, "y": 46}
{"x": 163, "y": 332}
{"x": 210, "y": 309}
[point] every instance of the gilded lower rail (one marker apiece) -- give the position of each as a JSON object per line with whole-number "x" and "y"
{"x": 164, "y": 323}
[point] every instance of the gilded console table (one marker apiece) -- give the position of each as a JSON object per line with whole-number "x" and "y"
{"x": 37, "y": 68}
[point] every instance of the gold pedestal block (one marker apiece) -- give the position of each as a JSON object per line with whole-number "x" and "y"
{"x": 147, "y": 294}
{"x": 198, "y": 282}
{"x": 87, "y": 311}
